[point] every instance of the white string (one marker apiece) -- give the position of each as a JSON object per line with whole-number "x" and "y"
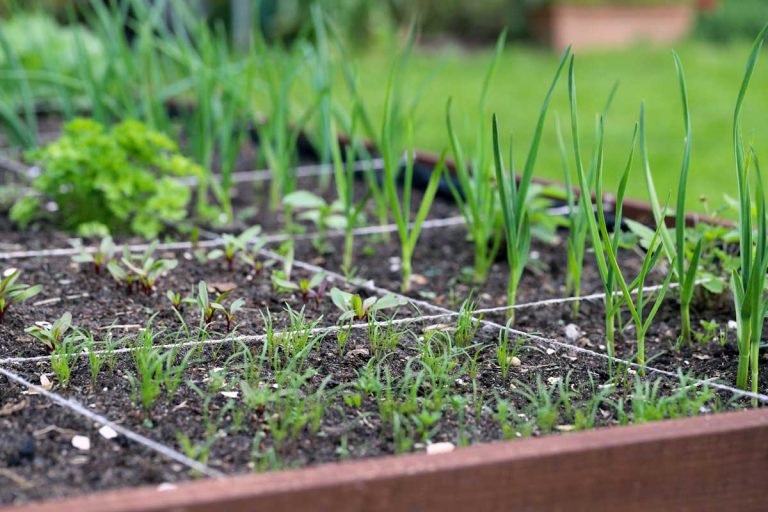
{"x": 97, "y": 418}
{"x": 219, "y": 241}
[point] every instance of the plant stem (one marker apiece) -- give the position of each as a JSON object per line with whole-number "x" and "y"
{"x": 405, "y": 263}
{"x": 745, "y": 340}
{"x": 685, "y": 318}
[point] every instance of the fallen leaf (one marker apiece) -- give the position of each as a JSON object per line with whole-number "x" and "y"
{"x": 45, "y": 383}
{"x": 221, "y": 287}
{"x": 9, "y": 409}
{"x": 230, "y": 394}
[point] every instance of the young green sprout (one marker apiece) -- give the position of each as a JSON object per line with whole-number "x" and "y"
{"x": 229, "y": 313}
{"x": 318, "y": 211}
{"x": 685, "y": 267}
{"x": 177, "y": 302}
{"x": 514, "y": 197}
{"x": 637, "y": 305}
{"x": 208, "y": 307}
{"x": 748, "y": 281}
{"x": 12, "y": 292}
{"x": 97, "y": 259}
{"x": 253, "y": 258}
{"x": 315, "y": 286}
{"x": 53, "y": 335}
{"x": 612, "y": 299}
{"x": 476, "y": 194}
{"x": 234, "y": 245}
{"x": 354, "y": 307}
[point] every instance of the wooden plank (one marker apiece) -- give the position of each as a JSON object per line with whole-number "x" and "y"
{"x": 708, "y": 463}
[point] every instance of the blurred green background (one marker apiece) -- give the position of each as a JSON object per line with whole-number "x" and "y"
{"x": 455, "y": 46}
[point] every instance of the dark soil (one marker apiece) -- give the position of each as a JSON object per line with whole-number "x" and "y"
{"x": 38, "y": 460}
{"x": 99, "y": 306}
{"x": 244, "y": 441}
{"x": 712, "y": 354}
{"x": 442, "y": 266}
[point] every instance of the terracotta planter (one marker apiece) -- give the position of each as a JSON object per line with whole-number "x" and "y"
{"x": 610, "y": 26}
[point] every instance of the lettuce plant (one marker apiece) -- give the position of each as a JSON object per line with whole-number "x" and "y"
{"x": 119, "y": 180}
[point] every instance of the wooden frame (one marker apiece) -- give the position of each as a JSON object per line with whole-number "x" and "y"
{"x": 707, "y": 463}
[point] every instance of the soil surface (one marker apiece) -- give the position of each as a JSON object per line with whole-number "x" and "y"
{"x": 38, "y": 460}
{"x": 99, "y": 306}
{"x": 210, "y": 407}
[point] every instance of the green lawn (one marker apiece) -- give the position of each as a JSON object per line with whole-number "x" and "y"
{"x": 645, "y": 74}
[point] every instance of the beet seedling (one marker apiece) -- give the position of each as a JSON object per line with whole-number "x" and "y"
{"x": 53, "y": 335}
{"x": 12, "y": 292}
{"x": 229, "y": 313}
{"x": 235, "y": 244}
{"x": 354, "y": 307}
{"x": 97, "y": 259}
{"x": 315, "y": 286}
{"x": 318, "y": 211}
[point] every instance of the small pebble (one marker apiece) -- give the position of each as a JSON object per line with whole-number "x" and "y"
{"x": 107, "y": 432}
{"x": 437, "y": 448}
{"x": 81, "y": 443}
{"x": 572, "y": 332}
{"x": 515, "y": 361}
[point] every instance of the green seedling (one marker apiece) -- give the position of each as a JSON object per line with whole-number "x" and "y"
{"x": 315, "y": 286}
{"x": 684, "y": 266}
{"x": 229, "y": 312}
{"x": 514, "y": 197}
{"x": 99, "y": 258}
{"x": 63, "y": 359}
{"x": 142, "y": 271}
{"x": 748, "y": 281}
{"x": 476, "y": 194}
{"x": 319, "y": 212}
{"x": 252, "y": 255}
{"x": 354, "y": 307}
{"x": 612, "y": 299}
{"x": 177, "y": 302}
{"x": 235, "y": 244}
{"x": 53, "y": 335}
{"x": 12, "y": 292}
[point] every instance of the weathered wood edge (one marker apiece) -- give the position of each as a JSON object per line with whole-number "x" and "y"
{"x": 716, "y": 463}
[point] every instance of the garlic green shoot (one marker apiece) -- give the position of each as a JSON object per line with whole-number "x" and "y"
{"x": 685, "y": 267}
{"x": 601, "y": 247}
{"x": 514, "y": 197}
{"x": 748, "y": 281}
{"x": 476, "y": 194}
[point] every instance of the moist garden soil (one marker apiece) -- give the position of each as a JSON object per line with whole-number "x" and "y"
{"x": 344, "y": 431}
{"x": 100, "y": 306}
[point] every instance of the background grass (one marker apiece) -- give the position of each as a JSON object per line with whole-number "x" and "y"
{"x": 713, "y": 73}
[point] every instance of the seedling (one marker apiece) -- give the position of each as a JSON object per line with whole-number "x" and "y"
{"x": 12, "y": 292}
{"x": 143, "y": 271}
{"x": 53, "y": 335}
{"x": 62, "y": 360}
{"x": 601, "y": 247}
{"x": 354, "y": 307}
{"x": 748, "y": 282}
{"x": 684, "y": 266}
{"x": 234, "y": 245}
{"x": 229, "y": 312}
{"x": 208, "y": 307}
{"x": 476, "y": 194}
{"x": 315, "y": 286}
{"x": 514, "y": 197}
{"x": 98, "y": 259}
{"x": 322, "y": 214}
{"x": 176, "y": 300}
{"x": 252, "y": 255}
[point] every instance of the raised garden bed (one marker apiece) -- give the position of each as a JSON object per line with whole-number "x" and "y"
{"x": 167, "y": 373}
